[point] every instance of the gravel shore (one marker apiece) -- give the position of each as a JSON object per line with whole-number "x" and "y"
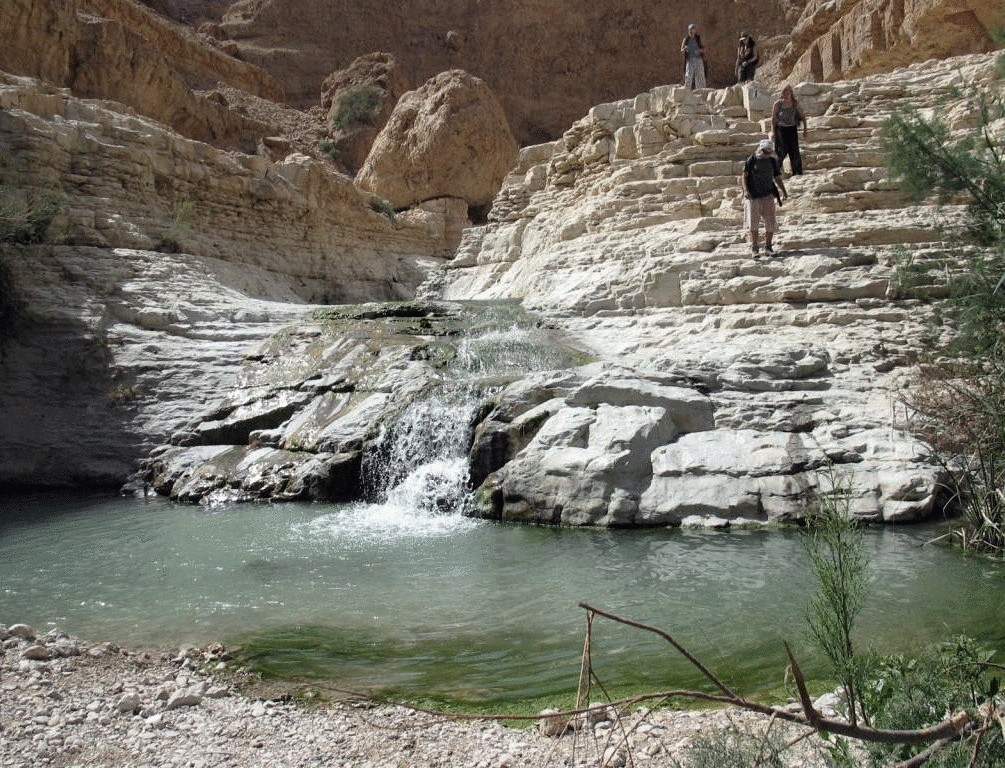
{"x": 65, "y": 702}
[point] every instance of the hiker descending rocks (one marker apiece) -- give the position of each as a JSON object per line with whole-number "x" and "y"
{"x": 762, "y": 186}
{"x": 785, "y": 119}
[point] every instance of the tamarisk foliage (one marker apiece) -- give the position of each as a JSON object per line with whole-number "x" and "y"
{"x": 960, "y": 397}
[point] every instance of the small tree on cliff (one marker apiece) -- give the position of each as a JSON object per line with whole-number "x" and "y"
{"x": 25, "y": 216}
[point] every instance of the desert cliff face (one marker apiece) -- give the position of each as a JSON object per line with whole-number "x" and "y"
{"x": 168, "y": 257}
{"x": 550, "y": 60}
{"x": 116, "y": 49}
{"x": 831, "y": 41}
{"x": 547, "y": 60}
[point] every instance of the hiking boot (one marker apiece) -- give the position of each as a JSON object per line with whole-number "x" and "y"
{"x": 755, "y": 251}
{"x": 769, "y": 250}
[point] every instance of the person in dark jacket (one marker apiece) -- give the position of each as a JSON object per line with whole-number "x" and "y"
{"x": 746, "y": 59}
{"x": 762, "y": 186}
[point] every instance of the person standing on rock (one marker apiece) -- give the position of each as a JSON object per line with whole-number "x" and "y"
{"x": 785, "y": 119}
{"x": 746, "y": 59}
{"x": 694, "y": 58}
{"x": 761, "y": 182}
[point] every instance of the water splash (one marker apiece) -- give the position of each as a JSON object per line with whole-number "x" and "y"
{"x": 428, "y": 431}
{"x": 424, "y": 505}
{"x": 416, "y": 471}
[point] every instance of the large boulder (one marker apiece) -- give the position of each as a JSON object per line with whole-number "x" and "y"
{"x": 627, "y": 448}
{"x": 448, "y": 138}
{"x": 590, "y": 458}
{"x": 357, "y": 102}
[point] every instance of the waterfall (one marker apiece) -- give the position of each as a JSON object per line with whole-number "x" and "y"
{"x": 416, "y": 471}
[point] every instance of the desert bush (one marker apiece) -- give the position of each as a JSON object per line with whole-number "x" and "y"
{"x": 183, "y": 215}
{"x": 733, "y": 748}
{"x": 961, "y": 411}
{"x": 836, "y": 548}
{"x": 959, "y": 399}
{"x": 25, "y": 215}
{"x": 331, "y": 150}
{"x": 383, "y": 207}
{"x": 906, "y": 693}
{"x": 356, "y": 107}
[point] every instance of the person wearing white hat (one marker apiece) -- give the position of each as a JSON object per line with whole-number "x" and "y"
{"x": 762, "y": 185}
{"x": 694, "y": 58}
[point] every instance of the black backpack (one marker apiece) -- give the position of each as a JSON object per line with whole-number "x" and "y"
{"x": 761, "y": 172}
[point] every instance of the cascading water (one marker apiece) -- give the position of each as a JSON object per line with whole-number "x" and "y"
{"x": 416, "y": 471}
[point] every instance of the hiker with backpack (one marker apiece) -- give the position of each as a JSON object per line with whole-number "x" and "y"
{"x": 694, "y": 58}
{"x": 762, "y": 186}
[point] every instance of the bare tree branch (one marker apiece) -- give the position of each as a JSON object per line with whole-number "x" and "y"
{"x": 923, "y": 757}
{"x": 670, "y": 639}
{"x": 951, "y": 728}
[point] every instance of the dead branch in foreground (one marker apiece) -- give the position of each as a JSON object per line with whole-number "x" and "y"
{"x": 939, "y": 735}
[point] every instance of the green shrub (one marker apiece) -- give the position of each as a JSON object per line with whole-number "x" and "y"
{"x": 25, "y": 215}
{"x": 961, "y": 404}
{"x": 384, "y": 207}
{"x": 836, "y": 548}
{"x": 733, "y": 749}
{"x": 913, "y": 693}
{"x": 927, "y": 158}
{"x": 356, "y": 107}
{"x": 181, "y": 222}
{"x": 331, "y": 150}
{"x": 961, "y": 411}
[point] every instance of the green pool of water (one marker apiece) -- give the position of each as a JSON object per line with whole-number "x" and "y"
{"x": 446, "y": 608}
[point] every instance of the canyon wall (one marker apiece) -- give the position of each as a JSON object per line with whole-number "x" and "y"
{"x": 551, "y": 60}
{"x": 119, "y": 50}
{"x": 853, "y": 39}
{"x": 166, "y": 260}
{"x": 547, "y": 60}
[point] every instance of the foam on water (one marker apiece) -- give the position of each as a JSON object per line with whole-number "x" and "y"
{"x": 424, "y": 505}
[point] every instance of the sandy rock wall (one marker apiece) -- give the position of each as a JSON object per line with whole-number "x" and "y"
{"x": 117, "y": 49}
{"x": 168, "y": 259}
{"x": 548, "y": 61}
{"x": 835, "y": 41}
{"x": 447, "y": 139}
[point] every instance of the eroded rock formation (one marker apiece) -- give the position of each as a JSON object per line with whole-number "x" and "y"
{"x": 115, "y": 49}
{"x": 724, "y": 390}
{"x": 447, "y": 139}
{"x": 627, "y": 232}
{"x": 843, "y": 40}
{"x": 167, "y": 259}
